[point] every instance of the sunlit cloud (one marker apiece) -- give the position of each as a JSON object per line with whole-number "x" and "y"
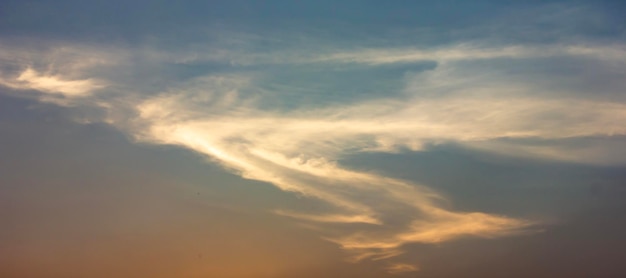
{"x": 30, "y": 79}
{"x": 296, "y": 152}
{"x": 401, "y": 268}
{"x": 373, "y": 254}
{"x": 59, "y": 73}
{"x": 298, "y": 149}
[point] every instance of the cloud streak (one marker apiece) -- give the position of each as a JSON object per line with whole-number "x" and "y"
{"x": 463, "y": 52}
{"x": 401, "y": 268}
{"x": 30, "y": 79}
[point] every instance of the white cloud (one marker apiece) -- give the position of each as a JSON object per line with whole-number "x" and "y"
{"x": 62, "y": 74}
{"x": 30, "y": 79}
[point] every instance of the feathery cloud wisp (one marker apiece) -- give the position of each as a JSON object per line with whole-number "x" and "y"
{"x": 298, "y": 150}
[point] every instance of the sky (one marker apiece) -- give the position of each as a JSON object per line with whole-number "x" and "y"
{"x": 312, "y": 138}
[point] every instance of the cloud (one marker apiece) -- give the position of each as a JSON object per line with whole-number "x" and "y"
{"x": 61, "y": 73}
{"x": 405, "y": 55}
{"x": 398, "y": 268}
{"x": 30, "y": 79}
{"x": 225, "y": 117}
{"x": 298, "y": 150}
{"x": 438, "y": 226}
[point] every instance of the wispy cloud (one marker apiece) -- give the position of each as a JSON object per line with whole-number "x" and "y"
{"x": 298, "y": 149}
{"x": 61, "y": 73}
{"x": 30, "y": 79}
{"x": 401, "y": 268}
{"x": 471, "y": 52}
{"x": 373, "y": 56}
